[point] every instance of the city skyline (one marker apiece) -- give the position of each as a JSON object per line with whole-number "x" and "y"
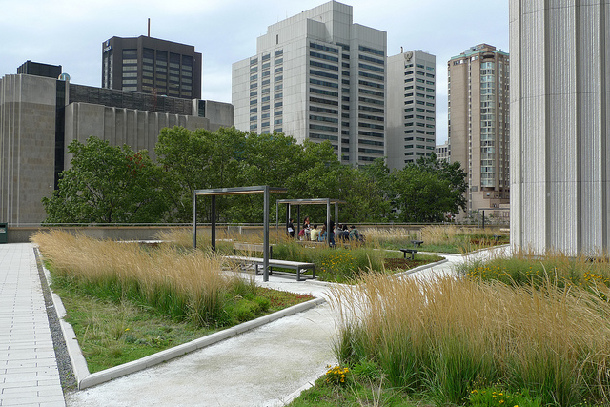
{"x": 68, "y": 33}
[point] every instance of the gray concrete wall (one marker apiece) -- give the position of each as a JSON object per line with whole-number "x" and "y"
{"x": 27, "y": 146}
{"x": 560, "y": 105}
{"x": 219, "y": 114}
{"x": 139, "y": 130}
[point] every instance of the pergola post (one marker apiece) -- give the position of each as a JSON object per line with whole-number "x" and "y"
{"x": 328, "y": 228}
{"x": 194, "y": 220}
{"x": 214, "y": 223}
{"x": 266, "y": 234}
{"x": 266, "y": 190}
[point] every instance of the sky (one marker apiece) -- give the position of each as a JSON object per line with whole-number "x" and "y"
{"x": 70, "y": 33}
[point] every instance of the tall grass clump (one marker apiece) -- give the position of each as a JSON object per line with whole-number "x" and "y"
{"x": 183, "y": 239}
{"x": 392, "y": 238}
{"x": 447, "y": 337}
{"x": 456, "y": 239}
{"x": 184, "y": 285}
{"x": 527, "y": 268}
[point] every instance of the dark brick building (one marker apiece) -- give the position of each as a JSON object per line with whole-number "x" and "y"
{"x": 150, "y": 65}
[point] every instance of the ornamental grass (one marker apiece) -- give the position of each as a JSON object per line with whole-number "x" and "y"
{"x": 186, "y": 285}
{"x": 588, "y": 272}
{"x": 448, "y": 336}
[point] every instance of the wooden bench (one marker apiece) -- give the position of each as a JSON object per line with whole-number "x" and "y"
{"x": 410, "y": 251}
{"x": 299, "y": 267}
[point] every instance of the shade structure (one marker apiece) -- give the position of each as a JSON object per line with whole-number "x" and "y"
{"x": 310, "y": 201}
{"x": 266, "y": 190}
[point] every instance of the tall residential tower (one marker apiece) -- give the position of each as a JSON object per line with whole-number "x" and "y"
{"x": 479, "y": 124}
{"x": 317, "y": 76}
{"x": 411, "y": 107}
{"x": 150, "y": 65}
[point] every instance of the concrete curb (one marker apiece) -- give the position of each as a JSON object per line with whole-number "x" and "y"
{"x": 77, "y": 359}
{"x": 422, "y": 267}
{"x": 85, "y": 379}
{"x": 180, "y": 350}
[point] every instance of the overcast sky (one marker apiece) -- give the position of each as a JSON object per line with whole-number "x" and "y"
{"x": 70, "y": 33}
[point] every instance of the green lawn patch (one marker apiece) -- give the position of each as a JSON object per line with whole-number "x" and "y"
{"x": 111, "y": 332}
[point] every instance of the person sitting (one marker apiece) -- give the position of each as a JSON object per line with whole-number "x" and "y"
{"x": 322, "y": 234}
{"x": 306, "y": 228}
{"x": 314, "y": 233}
{"x": 342, "y": 233}
{"x": 354, "y": 234}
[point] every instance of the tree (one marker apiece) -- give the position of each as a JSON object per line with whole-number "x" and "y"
{"x": 106, "y": 184}
{"x": 450, "y": 172}
{"x": 421, "y": 196}
{"x": 200, "y": 159}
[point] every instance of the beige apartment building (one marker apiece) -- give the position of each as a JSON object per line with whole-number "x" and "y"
{"x": 479, "y": 125}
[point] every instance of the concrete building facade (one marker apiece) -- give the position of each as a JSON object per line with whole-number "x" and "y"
{"x": 560, "y": 110}
{"x": 479, "y": 124}
{"x": 443, "y": 152}
{"x": 317, "y": 76}
{"x": 411, "y": 107}
{"x": 40, "y": 116}
{"x": 151, "y": 65}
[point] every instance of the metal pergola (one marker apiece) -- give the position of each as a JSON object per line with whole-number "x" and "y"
{"x": 309, "y": 201}
{"x": 266, "y": 190}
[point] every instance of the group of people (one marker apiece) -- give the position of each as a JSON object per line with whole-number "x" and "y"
{"x": 311, "y": 232}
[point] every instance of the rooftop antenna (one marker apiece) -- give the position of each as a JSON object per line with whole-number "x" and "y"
{"x": 149, "y": 26}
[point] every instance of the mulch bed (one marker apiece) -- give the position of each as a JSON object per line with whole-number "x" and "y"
{"x": 402, "y": 264}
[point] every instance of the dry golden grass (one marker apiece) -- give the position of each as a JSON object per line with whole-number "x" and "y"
{"x": 377, "y": 236}
{"x": 184, "y": 237}
{"x": 189, "y": 280}
{"x": 553, "y": 341}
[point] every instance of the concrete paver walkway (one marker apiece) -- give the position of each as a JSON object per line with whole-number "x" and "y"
{"x": 28, "y": 370}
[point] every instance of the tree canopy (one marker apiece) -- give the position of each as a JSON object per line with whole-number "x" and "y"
{"x": 116, "y": 185}
{"x": 107, "y": 184}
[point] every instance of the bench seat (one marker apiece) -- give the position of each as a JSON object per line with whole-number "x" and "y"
{"x": 410, "y": 251}
{"x": 295, "y": 265}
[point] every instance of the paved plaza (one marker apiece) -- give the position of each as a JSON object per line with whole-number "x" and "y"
{"x": 265, "y": 366}
{"x": 28, "y": 370}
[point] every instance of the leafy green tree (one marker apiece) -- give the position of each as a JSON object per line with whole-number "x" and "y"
{"x": 199, "y": 160}
{"x": 107, "y": 184}
{"x": 421, "y": 196}
{"x": 452, "y": 173}
{"x": 365, "y": 199}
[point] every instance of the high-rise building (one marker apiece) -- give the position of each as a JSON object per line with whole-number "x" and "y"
{"x": 560, "y": 121}
{"x": 150, "y": 65}
{"x": 443, "y": 152}
{"x": 317, "y": 76}
{"x": 411, "y": 107}
{"x": 479, "y": 124}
